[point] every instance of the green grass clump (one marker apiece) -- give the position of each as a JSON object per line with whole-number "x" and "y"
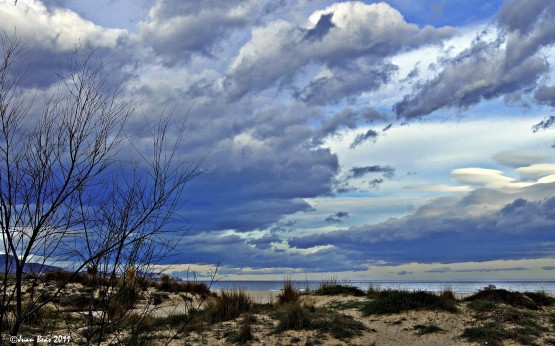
{"x": 289, "y": 293}
{"x": 395, "y": 301}
{"x": 293, "y": 316}
{"x": 332, "y": 287}
{"x": 490, "y": 333}
{"x": 229, "y": 305}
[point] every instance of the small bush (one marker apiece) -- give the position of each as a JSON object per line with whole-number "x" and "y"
{"x": 176, "y": 320}
{"x": 229, "y": 305}
{"x": 293, "y": 316}
{"x": 490, "y": 333}
{"x": 373, "y": 291}
{"x": 289, "y": 293}
{"x": 447, "y": 293}
{"x": 340, "y": 326}
{"x": 169, "y": 284}
{"x": 503, "y": 322}
{"x": 515, "y": 299}
{"x": 540, "y": 298}
{"x": 124, "y": 300}
{"x": 61, "y": 276}
{"x": 394, "y": 301}
{"x": 297, "y": 317}
{"x": 332, "y": 287}
{"x": 244, "y": 334}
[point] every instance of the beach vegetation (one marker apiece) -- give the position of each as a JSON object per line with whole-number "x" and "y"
{"x": 503, "y": 296}
{"x": 228, "y": 305}
{"x": 373, "y": 291}
{"x": 396, "y": 301}
{"x": 334, "y": 287}
{"x": 289, "y": 293}
{"x": 503, "y": 315}
{"x": 298, "y": 317}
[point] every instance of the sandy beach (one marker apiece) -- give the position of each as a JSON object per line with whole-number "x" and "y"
{"x": 413, "y": 327}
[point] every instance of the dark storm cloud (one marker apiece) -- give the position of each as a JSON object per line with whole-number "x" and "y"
{"x": 210, "y": 248}
{"x": 373, "y": 31}
{"x": 266, "y": 241}
{"x": 337, "y": 217}
{"x": 349, "y": 81}
{"x": 321, "y": 28}
{"x": 449, "y": 230}
{"x": 177, "y": 30}
{"x": 349, "y": 118}
{"x": 359, "y": 172}
{"x": 522, "y": 16}
{"x": 545, "y": 95}
{"x": 362, "y": 138}
{"x": 507, "y": 66}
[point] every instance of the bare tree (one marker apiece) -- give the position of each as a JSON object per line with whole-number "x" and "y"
{"x": 68, "y": 199}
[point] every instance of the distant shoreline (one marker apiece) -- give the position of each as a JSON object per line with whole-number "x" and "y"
{"x": 462, "y": 287}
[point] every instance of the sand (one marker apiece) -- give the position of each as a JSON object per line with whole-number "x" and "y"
{"x": 393, "y": 329}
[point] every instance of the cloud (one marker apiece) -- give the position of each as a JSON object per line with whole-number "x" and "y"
{"x": 545, "y": 95}
{"x": 347, "y": 80}
{"x": 536, "y": 171}
{"x": 50, "y": 35}
{"x": 519, "y": 158}
{"x": 480, "y": 176}
{"x": 353, "y": 30}
{"x": 474, "y": 270}
{"x": 363, "y": 137}
{"x": 508, "y": 64}
{"x": 209, "y": 248}
{"x": 337, "y": 217}
{"x": 439, "y": 188}
{"x": 359, "y": 172}
{"x": 483, "y": 225}
{"x": 349, "y": 118}
{"x": 176, "y": 30}
{"x": 523, "y": 16}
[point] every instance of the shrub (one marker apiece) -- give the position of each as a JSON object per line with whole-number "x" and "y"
{"x": 373, "y": 291}
{"x": 332, "y": 287}
{"x": 244, "y": 334}
{"x": 540, "y": 298}
{"x": 124, "y": 300}
{"x": 229, "y": 305}
{"x": 447, "y": 293}
{"x": 490, "y": 333}
{"x": 394, "y": 301}
{"x": 515, "y": 299}
{"x": 293, "y": 316}
{"x": 169, "y": 284}
{"x": 297, "y": 317}
{"x": 289, "y": 293}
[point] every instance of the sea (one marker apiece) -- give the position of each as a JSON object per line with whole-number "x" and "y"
{"x": 430, "y": 286}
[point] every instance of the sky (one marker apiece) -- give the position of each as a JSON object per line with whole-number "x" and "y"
{"x": 394, "y": 140}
